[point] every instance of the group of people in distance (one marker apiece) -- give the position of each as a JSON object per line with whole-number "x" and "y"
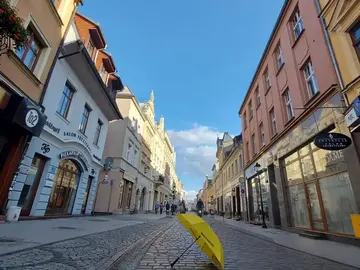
{"x": 174, "y": 208}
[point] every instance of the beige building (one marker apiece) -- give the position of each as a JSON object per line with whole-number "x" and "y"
{"x": 229, "y": 177}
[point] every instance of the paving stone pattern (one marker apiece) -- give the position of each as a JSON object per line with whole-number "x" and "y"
{"x": 83, "y": 252}
{"x": 242, "y": 252}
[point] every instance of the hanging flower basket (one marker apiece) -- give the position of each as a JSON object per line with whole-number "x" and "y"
{"x": 11, "y": 27}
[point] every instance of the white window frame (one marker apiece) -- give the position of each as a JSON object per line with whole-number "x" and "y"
{"x": 134, "y": 156}
{"x": 267, "y": 79}
{"x": 288, "y": 104}
{"x": 128, "y": 151}
{"x": 258, "y": 98}
{"x": 262, "y": 134}
{"x": 310, "y": 78}
{"x": 273, "y": 121}
{"x": 279, "y": 57}
{"x": 298, "y": 25}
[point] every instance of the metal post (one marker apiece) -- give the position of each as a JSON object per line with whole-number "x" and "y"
{"x": 262, "y": 205}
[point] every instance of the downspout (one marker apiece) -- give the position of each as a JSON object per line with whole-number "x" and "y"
{"x": 328, "y": 43}
{"x": 46, "y": 85}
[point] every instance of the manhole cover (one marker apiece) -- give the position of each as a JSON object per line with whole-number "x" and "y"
{"x": 65, "y": 228}
{"x": 98, "y": 220}
{"x": 4, "y": 240}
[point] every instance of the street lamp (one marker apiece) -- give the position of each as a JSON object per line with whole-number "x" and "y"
{"x": 258, "y": 171}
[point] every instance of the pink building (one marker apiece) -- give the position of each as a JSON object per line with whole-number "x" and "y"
{"x": 293, "y": 96}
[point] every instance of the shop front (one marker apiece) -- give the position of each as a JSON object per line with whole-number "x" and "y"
{"x": 20, "y": 119}
{"x": 317, "y": 185}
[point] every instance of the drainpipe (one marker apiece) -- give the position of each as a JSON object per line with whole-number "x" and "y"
{"x": 46, "y": 84}
{"x": 328, "y": 43}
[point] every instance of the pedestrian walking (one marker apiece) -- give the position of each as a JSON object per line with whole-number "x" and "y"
{"x": 161, "y": 208}
{"x": 157, "y": 205}
{"x": 167, "y": 207}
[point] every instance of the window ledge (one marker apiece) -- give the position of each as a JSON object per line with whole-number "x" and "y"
{"x": 311, "y": 99}
{"x": 11, "y": 54}
{"x": 258, "y": 106}
{"x": 267, "y": 90}
{"x": 82, "y": 134}
{"x": 95, "y": 145}
{"x": 280, "y": 68}
{"x": 297, "y": 39}
{"x": 62, "y": 118}
{"x": 55, "y": 13}
{"x": 289, "y": 121}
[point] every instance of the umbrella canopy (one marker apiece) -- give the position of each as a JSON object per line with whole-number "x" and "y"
{"x": 205, "y": 237}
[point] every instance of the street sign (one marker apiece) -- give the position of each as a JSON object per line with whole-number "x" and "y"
{"x": 242, "y": 190}
{"x": 332, "y": 141}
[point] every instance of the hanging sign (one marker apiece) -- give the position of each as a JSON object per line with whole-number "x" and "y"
{"x": 332, "y": 141}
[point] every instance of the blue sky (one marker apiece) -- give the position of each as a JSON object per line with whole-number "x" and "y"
{"x": 198, "y": 56}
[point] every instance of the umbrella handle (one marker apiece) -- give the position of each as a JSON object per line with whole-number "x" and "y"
{"x": 182, "y": 254}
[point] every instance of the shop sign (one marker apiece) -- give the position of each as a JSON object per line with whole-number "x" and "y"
{"x": 79, "y": 137}
{"x": 52, "y": 127}
{"x": 332, "y": 141}
{"x": 76, "y": 154}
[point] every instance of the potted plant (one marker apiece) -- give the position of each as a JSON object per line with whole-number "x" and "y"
{"x": 11, "y": 27}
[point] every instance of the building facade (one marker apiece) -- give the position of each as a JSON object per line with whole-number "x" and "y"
{"x": 24, "y": 77}
{"x": 293, "y": 97}
{"x": 64, "y": 162}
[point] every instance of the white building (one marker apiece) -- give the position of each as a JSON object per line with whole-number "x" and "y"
{"x": 59, "y": 173}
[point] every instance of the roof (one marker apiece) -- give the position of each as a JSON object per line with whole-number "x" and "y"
{"x": 97, "y": 25}
{"x": 272, "y": 35}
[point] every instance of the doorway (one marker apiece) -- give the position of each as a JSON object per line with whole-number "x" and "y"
{"x": 31, "y": 184}
{"x": 86, "y": 195}
{"x": 64, "y": 189}
{"x": 238, "y": 203}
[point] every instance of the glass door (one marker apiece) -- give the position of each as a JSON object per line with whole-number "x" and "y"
{"x": 315, "y": 212}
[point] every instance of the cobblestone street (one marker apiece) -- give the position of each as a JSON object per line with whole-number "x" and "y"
{"x": 241, "y": 251}
{"x": 87, "y": 252}
{"x": 161, "y": 241}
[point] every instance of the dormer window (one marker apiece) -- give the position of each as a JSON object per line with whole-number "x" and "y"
{"x": 103, "y": 73}
{"x": 91, "y": 48}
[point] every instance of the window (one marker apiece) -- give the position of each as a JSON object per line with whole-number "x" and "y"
{"x": 297, "y": 24}
{"x": 241, "y": 162}
{"x": 244, "y": 120}
{"x": 262, "y": 134}
{"x": 103, "y": 73}
{"x": 236, "y": 166}
{"x": 267, "y": 79}
{"x": 310, "y": 78}
{"x": 232, "y": 170}
{"x": 355, "y": 36}
{"x": 30, "y": 53}
{"x": 279, "y": 57}
{"x": 65, "y": 101}
{"x": 134, "y": 157}
{"x": 273, "y": 122}
{"x": 253, "y": 144}
{"x": 97, "y": 132}
{"x": 84, "y": 119}
{"x": 91, "y": 48}
{"x": 128, "y": 152}
{"x": 247, "y": 150}
{"x": 288, "y": 104}
{"x": 251, "y": 110}
{"x": 258, "y": 99}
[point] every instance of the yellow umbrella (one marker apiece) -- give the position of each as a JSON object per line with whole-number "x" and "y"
{"x": 204, "y": 236}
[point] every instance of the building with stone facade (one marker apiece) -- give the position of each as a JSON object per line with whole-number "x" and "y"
{"x": 24, "y": 80}
{"x": 294, "y": 97}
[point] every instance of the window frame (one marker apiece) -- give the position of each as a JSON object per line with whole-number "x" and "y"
{"x": 355, "y": 42}
{"x": 262, "y": 134}
{"x": 72, "y": 90}
{"x": 253, "y": 144}
{"x": 279, "y": 56}
{"x": 288, "y": 104}
{"x": 98, "y": 132}
{"x": 28, "y": 47}
{"x": 311, "y": 78}
{"x": 128, "y": 152}
{"x": 91, "y": 43}
{"x": 267, "y": 79}
{"x": 258, "y": 97}
{"x": 251, "y": 111}
{"x": 297, "y": 21}
{"x": 273, "y": 121}
{"x": 244, "y": 120}
{"x": 88, "y": 109}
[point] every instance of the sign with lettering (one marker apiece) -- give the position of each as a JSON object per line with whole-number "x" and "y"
{"x": 32, "y": 118}
{"x": 76, "y": 154}
{"x": 52, "y": 127}
{"x": 332, "y": 141}
{"x": 78, "y": 137}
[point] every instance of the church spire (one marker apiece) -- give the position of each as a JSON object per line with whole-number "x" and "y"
{"x": 152, "y": 96}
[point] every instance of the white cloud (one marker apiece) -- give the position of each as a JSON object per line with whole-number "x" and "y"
{"x": 190, "y": 195}
{"x": 195, "y": 150}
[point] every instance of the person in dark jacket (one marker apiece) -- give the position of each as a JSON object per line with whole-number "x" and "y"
{"x": 167, "y": 207}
